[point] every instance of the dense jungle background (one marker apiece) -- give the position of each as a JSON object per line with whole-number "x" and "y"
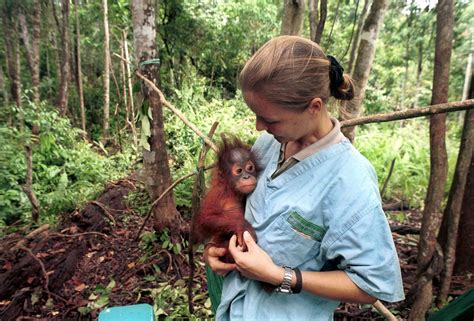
{"x": 89, "y": 215}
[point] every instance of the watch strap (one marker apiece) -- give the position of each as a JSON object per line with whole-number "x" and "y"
{"x": 299, "y": 281}
{"x": 285, "y": 286}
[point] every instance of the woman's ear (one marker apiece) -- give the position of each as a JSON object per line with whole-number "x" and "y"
{"x": 315, "y": 105}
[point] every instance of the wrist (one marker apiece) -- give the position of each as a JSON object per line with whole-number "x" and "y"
{"x": 277, "y": 275}
{"x": 291, "y": 282}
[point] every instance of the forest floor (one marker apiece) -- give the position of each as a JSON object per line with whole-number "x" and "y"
{"x": 93, "y": 260}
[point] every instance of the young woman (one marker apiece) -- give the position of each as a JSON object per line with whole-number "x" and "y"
{"x": 322, "y": 234}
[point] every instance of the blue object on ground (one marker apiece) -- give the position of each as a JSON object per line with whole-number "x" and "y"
{"x": 136, "y": 312}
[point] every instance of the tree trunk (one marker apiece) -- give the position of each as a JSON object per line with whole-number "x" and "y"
{"x": 293, "y": 17}
{"x": 12, "y": 50}
{"x": 79, "y": 69}
{"x": 156, "y": 169}
{"x": 28, "y": 186}
{"x": 419, "y": 72}
{"x": 355, "y": 44}
{"x": 467, "y": 88}
{"x": 407, "y": 57}
{"x": 465, "y": 239}
{"x": 130, "y": 93}
{"x": 105, "y": 120}
{"x": 432, "y": 214}
{"x": 313, "y": 7}
{"x": 32, "y": 47}
{"x": 123, "y": 78}
{"x": 336, "y": 14}
{"x": 65, "y": 69}
{"x": 363, "y": 64}
{"x": 53, "y": 35}
{"x": 467, "y": 78}
{"x": 452, "y": 212}
{"x": 465, "y": 244}
{"x": 323, "y": 12}
{"x": 3, "y": 88}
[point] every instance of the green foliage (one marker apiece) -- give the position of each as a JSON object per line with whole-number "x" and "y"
{"x": 139, "y": 200}
{"x": 409, "y": 146}
{"x": 213, "y": 37}
{"x": 66, "y": 170}
{"x": 98, "y": 299}
{"x": 170, "y": 301}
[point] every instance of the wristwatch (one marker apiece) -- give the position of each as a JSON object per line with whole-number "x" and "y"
{"x": 285, "y": 286}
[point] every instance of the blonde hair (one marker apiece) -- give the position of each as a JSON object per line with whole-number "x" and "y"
{"x": 290, "y": 71}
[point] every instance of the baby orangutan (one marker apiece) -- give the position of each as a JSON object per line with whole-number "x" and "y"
{"x": 222, "y": 210}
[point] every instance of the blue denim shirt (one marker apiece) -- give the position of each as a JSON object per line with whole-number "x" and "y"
{"x": 322, "y": 214}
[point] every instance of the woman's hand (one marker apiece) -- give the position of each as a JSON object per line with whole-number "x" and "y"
{"x": 255, "y": 263}
{"x": 212, "y": 256}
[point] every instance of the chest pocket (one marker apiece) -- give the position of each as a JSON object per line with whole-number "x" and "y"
{"x": 297, "y": 240}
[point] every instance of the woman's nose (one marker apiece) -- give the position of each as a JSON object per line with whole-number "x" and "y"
{"x": 260, "y": 125}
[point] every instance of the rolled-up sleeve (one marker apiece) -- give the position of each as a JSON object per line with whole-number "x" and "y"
{"x": 364, "y": 249}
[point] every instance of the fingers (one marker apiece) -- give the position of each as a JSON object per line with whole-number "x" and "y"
{"x": 249, "y": 241}
{"x": 216, "y": 251}
{"x": 220, "y": 267}
{"x": 212, "y": 256}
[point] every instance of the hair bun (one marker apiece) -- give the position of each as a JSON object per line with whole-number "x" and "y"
{"x": 340, "y": 86}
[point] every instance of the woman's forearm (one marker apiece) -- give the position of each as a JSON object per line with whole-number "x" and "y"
{"x": 335, "y": 285}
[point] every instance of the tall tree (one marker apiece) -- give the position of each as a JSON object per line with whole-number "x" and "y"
{"x": 452, "y": 213}
{"x": 79, "y": 68}
{"x": 432, "y": 214}
{"x": 407, "y": 58}
{"x": 465, "y": 240}
{"x": 3, "y": 87}
{"x": 293, "y": 17}
{"x": 31, "y": 42}
{"x": 419, "y": 71}
{"x": 9, "y": 11}
{"x": 323, "y": 12}
{"x": 65, "y": 68}
{"x": 106, "y": 75}
{"x": 363, "y": 63}
{"x": 356, "y": 42}
{"x": 313, "y": 8}
{"x": 130, "y": 102}
{"x": 156, "y": 168}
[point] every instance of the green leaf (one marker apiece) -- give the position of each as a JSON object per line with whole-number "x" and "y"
{"x": 63, "y": 182}
{"x": 144, "y": 142}
{"x": 49, "y": 303}
{"x": 146, "y": 126}
{"x": 150, "y": 113}
{"x": 111, "y": 284}
{"x": 102, "y": 301}
{"x": 53, "y": 171}
{"x": 207, "y": 304}
{"x": 84, "y": 310}
{"x": 34, "y": 298}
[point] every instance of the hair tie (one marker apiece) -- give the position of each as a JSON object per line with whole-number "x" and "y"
{"x": 336, "y": 77}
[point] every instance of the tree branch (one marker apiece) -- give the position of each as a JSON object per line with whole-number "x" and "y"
{"x": 410, "y": 113}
